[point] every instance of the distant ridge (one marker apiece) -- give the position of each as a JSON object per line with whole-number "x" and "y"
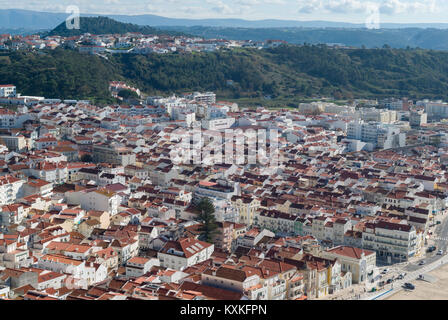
{"x": 295, "y": 32}
{"x": 18, "y": 18}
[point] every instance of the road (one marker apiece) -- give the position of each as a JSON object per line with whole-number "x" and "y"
{"x": 413, "y": 270}
{"x": 441, "y": 242}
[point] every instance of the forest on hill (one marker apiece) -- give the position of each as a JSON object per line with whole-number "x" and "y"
{"x": 286, "y": 72}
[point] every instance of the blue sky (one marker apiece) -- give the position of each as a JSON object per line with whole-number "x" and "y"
{"x": 357, "y": 11}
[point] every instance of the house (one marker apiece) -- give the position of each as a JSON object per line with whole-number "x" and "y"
{"x": 235, "y": 280}
{"x": 138, "y": 266}
{"x": 126, "y": 249}
{"x": 184, "y": 253}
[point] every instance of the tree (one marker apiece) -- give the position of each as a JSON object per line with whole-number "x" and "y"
{"x": 86, "y": 158}
{"x": 127, "y": 94}
{"x": 209, "y": 228}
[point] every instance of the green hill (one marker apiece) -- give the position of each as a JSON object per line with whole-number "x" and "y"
{"x": 286, "y": 73}
{"x": 104, "y": 25}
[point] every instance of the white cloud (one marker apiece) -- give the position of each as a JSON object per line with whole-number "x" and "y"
{"x": 398, "y": 7}
{"x": 389, "y": 7}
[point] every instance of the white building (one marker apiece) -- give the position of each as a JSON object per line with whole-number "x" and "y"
{"x": 11, "y": 189}
{"x": 359, "y": 262}
{"x": 218, "y": 124}
{"x": 97, "y": 199}
{"x": 7, "y": 90}
{"x": 393, "y": 242}
{"x": 184, "y": 253}
{"x": 138, "y": 266}
{"x": 207, "y": 97}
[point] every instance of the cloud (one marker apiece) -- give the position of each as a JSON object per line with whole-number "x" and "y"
{"x": 398, "y": 7}
{"x": 389, "y": 7}
{"x": 222, "y": 8}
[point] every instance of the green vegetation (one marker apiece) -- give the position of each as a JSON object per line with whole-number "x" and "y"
{"x": 127, "y": 94}
{"x": 104, "y": 25}
{"x": 86, "y": 158}
{"x": 209, "y": 228}
{"x": 281, "y": 77}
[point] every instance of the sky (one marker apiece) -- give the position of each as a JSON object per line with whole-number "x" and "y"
{"x": 354, "y": 11}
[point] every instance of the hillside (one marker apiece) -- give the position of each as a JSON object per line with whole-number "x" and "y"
{"x": 286, "y": 73}
{"x": 104, "y": 25}
{"x": 436, "y": 39}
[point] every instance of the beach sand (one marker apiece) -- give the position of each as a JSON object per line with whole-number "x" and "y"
{"x": 426, "y": 290}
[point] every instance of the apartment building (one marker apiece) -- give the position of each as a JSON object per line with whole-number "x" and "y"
{"x": 224, "y": 238}
{"x": 113, "y": 154}
{"x": 7, "y": 90}
{"x": 11, "y": 188}
{"x": 436, "y": 110}
{"x": 393, "y": 242}
{"x": 96, "y": 199}
{"x": 16, "y": 143}
{"x": 418, "y": 118}
{"x": 246, "y": 208}
{"x": 277, "y": 222}
{"x": 376, "y": 135}
{"x": 206, "y": 97}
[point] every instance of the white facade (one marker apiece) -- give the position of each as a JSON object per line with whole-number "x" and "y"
{"x": 7, "y": 91}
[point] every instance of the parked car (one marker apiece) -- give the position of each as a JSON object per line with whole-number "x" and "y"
{"x": 431, "y": 249}
{"x": 422, "y": 262}
{"x": 409, "y": 286}
{"x": 440, "y": 252}
{"x": 389, "y": 281}
{"x": 400, "y": 277}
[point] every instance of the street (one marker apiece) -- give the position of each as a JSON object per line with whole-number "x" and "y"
{"x": 413, "y": 269}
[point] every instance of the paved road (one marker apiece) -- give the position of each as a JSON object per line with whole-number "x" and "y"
{"x": 413, "y": 270}
{"x": 441, "y": 242}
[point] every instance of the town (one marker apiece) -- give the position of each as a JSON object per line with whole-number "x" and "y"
{"x": 93, "y": 207}
{"x": 131, "y": 42}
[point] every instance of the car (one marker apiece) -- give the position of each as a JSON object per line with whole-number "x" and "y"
{"x": 409, "y": 286}
{"x": 420, "y": 276}
{"x": 431, "y": 249}
{"x": 381, "y": 284}
{"x": 440, "y": 252}
{"x": 400, "y": 277}
{"x": 389, "y": 281}
{"x": 422, "y": 262}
